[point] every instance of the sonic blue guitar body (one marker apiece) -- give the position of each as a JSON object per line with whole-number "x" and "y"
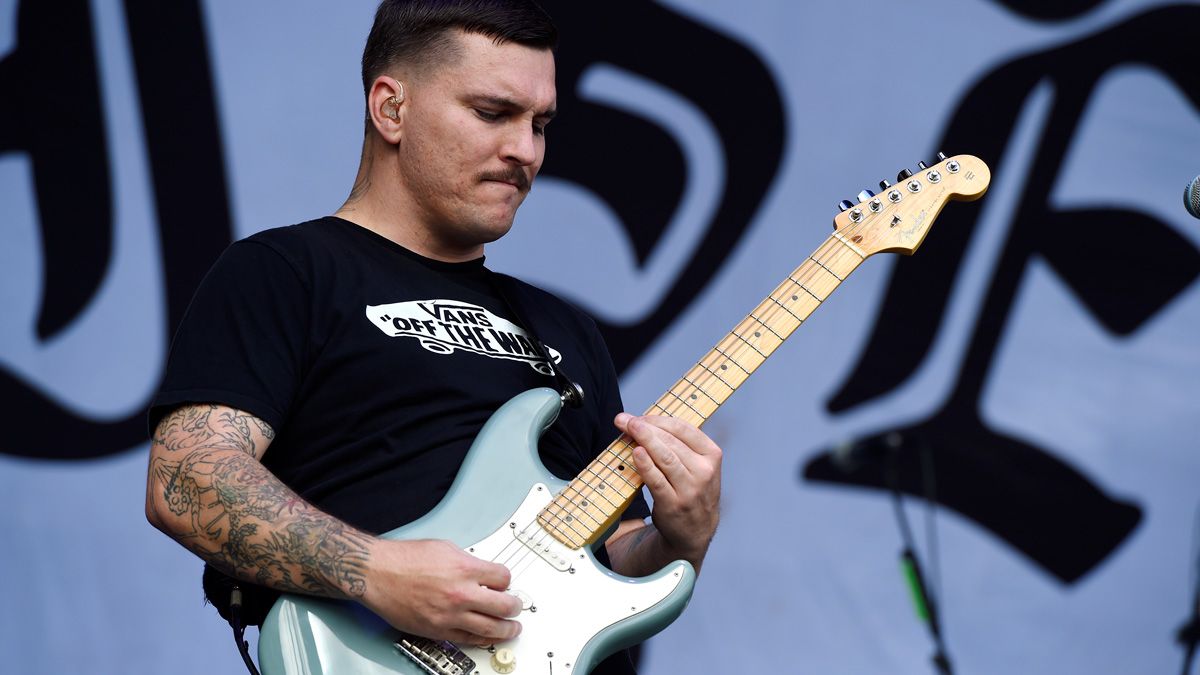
{"x": 575, "y": 611}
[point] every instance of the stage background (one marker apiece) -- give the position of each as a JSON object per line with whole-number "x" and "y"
{"x": 1039, "y": 353}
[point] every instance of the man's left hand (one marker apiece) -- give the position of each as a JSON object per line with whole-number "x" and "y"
{"x": 681, "y": 466}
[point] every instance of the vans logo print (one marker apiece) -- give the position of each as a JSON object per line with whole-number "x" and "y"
{"x": 442, "y": 326}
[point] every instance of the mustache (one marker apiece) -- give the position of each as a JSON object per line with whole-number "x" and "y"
{"x": 512, "y": 175}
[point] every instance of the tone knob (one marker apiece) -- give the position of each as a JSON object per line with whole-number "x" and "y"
{"x": 904, "y": 175}
{"x": 865, "y": 195}
{"x": 504, "y": 661}
{"x": 883, "y": 185}
{"x": 844, "y": 204}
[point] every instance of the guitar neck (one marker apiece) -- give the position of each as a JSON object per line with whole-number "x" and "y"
{"x": 593, "y": 501}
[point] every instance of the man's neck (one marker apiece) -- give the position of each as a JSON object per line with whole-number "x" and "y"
{"x": 388, "y": 216}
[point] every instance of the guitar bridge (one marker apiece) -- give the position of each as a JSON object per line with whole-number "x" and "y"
{"x": 438, "y": 657}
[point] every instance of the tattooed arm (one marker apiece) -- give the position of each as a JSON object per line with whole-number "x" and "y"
{"x": 208, "y": 490}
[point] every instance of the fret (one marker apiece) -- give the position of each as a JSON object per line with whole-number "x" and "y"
{"x": 806, "y": 289}
{"x": 624, "y": 463}
{"x": 567, "y": 523}
{"x": 766, "y": 341}
{"x": 587, "y": 507}
{"x": 785, "y": 307}
{"x": 719, "y": 378}
{"x": 580, "y": 507}
{"x": 689, "y": 405}
{"x": 749, "y": 344}
{"x": 734, "y": 378}
{"x": 701, "y": 390}
{"x": 767, "y": 326}
{"x": 731, "y": 359}
{"x": 599, "y": 490}
{"x": 835, "y": 276}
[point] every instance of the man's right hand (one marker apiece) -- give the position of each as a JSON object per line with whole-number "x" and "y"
{"x": 433, "y": 588}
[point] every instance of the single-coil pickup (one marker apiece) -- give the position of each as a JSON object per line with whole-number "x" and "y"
{"x": 547, "y": 547}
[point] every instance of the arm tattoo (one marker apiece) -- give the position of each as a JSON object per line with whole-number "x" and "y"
{"x": 232, "y": 512}
{"x": 211, "y": 426}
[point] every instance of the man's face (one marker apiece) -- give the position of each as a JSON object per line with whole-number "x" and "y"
{"x": 473, "y": 139}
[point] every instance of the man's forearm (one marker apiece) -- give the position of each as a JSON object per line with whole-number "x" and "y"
{"x": 209, "y": 492}
{"x": 643, "y": 551}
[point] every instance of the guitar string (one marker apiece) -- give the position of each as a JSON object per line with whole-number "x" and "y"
{"x": 739, "y": 351}
{"x": 823, "y": 258}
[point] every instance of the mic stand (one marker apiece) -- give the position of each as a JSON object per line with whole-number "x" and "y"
{"x": 924, "y": 602}
{"x": 1188, "y": 635}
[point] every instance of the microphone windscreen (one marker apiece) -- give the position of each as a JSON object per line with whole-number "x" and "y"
{"x": 1191, "y": 197}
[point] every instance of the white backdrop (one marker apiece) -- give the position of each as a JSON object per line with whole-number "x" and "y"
{"x": 802, "y": 576}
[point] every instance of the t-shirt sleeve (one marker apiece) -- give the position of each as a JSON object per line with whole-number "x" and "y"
{"x": 242, "y": 339}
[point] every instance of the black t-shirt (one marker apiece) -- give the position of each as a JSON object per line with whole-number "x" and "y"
{"x": 376, "y": 367}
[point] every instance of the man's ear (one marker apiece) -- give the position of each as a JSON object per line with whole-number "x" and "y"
{"x": 385, "y": 104}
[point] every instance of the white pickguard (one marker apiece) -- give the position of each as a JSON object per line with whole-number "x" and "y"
{"x": 565, "y": 606}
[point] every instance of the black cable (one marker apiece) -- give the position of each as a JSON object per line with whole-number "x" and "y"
{"x": 932, "y": 554}
{"x": 911, "y": 565}
{"x": 1189, "y": 634}
{"x": 239, "y": 629}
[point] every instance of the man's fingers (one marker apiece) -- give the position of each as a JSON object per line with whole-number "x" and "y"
{"x": 496, "y": 603}
{"x": 496, "y": 577}
{"x": 481, "y": 630}
{"x": 491, "y": 628}
{"x": 671, "y": 455}
{"x": 691, "y": 436}
{"x": 654, "y": 479}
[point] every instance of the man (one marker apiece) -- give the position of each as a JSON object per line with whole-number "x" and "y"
{"x": 320, "y": 343}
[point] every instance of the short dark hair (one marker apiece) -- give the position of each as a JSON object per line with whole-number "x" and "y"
{"x": 415, "y": 31}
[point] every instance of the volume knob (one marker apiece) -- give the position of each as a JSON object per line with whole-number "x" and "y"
{"x": 504, "y": 661}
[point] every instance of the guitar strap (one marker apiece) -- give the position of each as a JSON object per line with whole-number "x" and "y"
{"x": 570, "y": 391}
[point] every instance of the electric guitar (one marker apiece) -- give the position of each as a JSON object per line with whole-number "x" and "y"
{"x": 504, "y": 506}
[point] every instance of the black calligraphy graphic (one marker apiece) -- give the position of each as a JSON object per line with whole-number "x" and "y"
{"x": 635, "y": 166}
{"x": 167, "y": 40}
{"x": 1043, "y": 507}
{"x": 64, "y": 135}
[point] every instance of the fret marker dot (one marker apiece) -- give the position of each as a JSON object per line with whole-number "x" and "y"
{"x": 621, "y": 468}
{"x": 693, "y": 397}
{"x": 795, "y": 297}
{"x": 584, "y": 504}
{"x": 724, "y": 366}
{"x": 757, "y": 334}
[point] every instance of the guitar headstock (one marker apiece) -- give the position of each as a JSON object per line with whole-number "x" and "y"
{"x": 899, "y": 217}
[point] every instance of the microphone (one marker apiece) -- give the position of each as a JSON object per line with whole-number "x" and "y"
{"x": 1191, "y": 197}
{"x": 850, "y": 456}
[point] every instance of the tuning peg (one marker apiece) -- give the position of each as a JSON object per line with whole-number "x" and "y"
{"x": 845, "y": 204}
{"x": 865, "y": 195}
{"x": 904, "y": 175}
{"x": 922, "y": 166}
{"x": 883, "y": 185}
{"x": 941, "y": 157}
